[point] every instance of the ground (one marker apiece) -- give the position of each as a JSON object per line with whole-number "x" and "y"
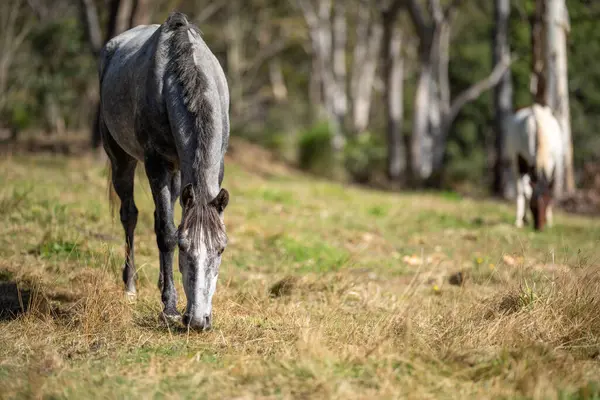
{"x": 325, "y": 291}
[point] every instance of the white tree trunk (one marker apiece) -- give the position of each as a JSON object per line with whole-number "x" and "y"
{"x": 364, "y": 80}
{"x": 340, "y": 100}
{"x": 434, "y": 113}
{"x": 439, "y": 112}
{"x": 315, "y": 91}
{"x": 557, "y": 28}
{"x": 235, "y": 57}
{"x": 503, "y": 103}
{"x": 394, "y": 88}
{"x": 321, "y": 34}
{"x": 420, "y": 131}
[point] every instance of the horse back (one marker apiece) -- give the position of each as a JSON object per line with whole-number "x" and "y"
{"x": 126, "y": 71}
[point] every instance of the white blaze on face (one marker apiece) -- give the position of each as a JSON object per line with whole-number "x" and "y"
{"x": 204, "y": 266}
{"x": 201, "y": 304}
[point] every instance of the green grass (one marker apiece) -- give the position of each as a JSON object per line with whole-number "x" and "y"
{"x": 325, "y": 291}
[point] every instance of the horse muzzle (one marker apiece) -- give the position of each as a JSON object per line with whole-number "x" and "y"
{"x": 198, "y": 323}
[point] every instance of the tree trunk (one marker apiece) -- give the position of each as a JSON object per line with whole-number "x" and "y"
{"x": 394, "y": 86}
{"x": 557, "y": 27}
{"x": 426, "y": 104}
{"x": 434, "y": 113}
{"x": 321, "y": 35}
{"x": 440, "y": 99}
{"x": 434, "y": 146}
{"x": 369, "y": 34}
{"x": 235, "y": 58}
{"x": 118, "y": 22}
{"x": 360, "y": 50}
{"x": 315, "y": 91}
{"x": 537, "y": 85}
{"x": 365, "y": 78}
{"x": 503, "y": 185}
{"x": 140, "y": 14}
{"x": 92, "y": 26}
{"x": 340, "y": 100}
{"x": 420, "y": 131}
{"x": 120, "y": 17}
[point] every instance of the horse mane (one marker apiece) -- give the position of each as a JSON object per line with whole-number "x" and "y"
{"x": 191, "y": 79}
{"x": 541, "y": 142}
{"x": 201, "y": 219}
{"x": 202, "y": 223}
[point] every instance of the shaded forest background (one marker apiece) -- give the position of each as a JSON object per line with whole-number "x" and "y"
{"x": 336, "y": 125}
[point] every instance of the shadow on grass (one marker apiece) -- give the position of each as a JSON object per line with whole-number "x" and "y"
{"x": 13, "y": 300}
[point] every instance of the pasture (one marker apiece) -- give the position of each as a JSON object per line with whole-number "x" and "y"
{"x": 325, "y": 291}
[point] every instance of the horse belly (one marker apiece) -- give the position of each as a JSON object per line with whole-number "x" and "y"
{"x": 124, "y": 135}
{"x": 118, "y": 114}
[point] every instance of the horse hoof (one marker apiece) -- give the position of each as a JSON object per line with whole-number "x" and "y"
{"x": 170, "y": 319}
{"x": 519, "y": 224}
{"x": 131, "y": 296}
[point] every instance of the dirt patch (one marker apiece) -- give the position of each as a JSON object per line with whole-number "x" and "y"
{"x": 586, "y": 200}
{"x": 255, "y": 159}
{"x": 249, "y": 156}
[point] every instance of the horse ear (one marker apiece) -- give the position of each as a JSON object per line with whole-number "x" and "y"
{"x": 187, "y": 196}
{"x": 221, "y": 201}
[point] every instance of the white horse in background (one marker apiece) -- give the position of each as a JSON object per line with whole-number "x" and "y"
{"x": 534, "y": 146}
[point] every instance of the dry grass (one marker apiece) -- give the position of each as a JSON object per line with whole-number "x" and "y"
{"x": 325, "y": 292}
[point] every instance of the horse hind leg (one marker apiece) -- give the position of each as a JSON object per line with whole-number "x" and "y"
{"x": 129, "y": 214}
{"x": 123, "y": 174}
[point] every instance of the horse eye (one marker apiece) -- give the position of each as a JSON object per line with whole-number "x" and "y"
{"x": 221, "y": 250}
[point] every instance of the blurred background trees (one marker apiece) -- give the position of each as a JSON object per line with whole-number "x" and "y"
{"x": 393, "y": 92}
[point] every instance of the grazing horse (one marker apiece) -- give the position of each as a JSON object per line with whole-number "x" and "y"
{"x": 534, "y": 146}
{"x": 165, "y": 102}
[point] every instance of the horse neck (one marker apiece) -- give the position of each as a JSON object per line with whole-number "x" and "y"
{"x": 194, "y": 107}
{"x": 543, "y": 159}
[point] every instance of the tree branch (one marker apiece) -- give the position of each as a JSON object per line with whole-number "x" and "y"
{"x": 478, "y": 88}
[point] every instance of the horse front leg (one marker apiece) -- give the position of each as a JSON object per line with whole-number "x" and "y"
{"x": 549, "y": 215}
{"x": 175, "y": 190}
{"x": 161, "y": 178}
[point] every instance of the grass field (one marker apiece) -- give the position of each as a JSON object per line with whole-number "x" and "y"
{"x": 325, "y": 291}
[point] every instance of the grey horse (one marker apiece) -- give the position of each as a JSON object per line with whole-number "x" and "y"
{"x": 164, "y": 101}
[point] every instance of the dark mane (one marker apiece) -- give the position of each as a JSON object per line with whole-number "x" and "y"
{"x": 202, "y": 222}
{"x": 192, "y": 80}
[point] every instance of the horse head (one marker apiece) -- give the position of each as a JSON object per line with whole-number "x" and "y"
{"x": 202, "y": 240}
{"x": 542, "y": 189}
